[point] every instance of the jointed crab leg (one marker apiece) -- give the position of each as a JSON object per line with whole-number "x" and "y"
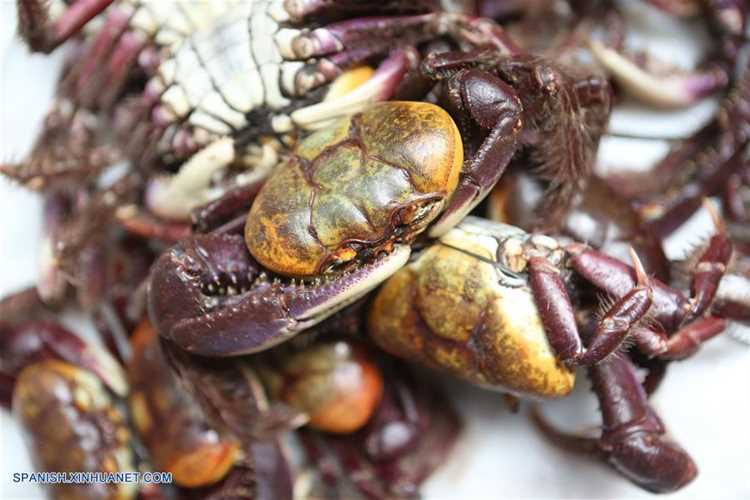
{"x": 672, "y": 311}
{"x": 44, "y": 36}
{"x": 632, "y": 434}
{"x": 559, "y": 321}
{"x": 493, "y": 105}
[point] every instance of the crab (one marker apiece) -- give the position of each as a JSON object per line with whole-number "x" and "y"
{"x": 366, "y": 427}
{"x": 212, "y": 441}
{"x": 346, "y": 205}
{"x": 488, "y": 303}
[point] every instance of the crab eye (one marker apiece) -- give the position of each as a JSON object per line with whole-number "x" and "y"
{"x": 507, "y": 277}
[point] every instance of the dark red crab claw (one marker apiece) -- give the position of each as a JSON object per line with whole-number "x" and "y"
{"x": 210, "y": 297}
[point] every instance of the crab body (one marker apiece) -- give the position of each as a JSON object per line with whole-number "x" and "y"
{"x": 459, "y": 306}
{"x": 356, "y": 188}
{"x": 73, "y": 424}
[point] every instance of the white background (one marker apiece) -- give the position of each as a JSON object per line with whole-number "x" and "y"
{"x": 705, "y": 402}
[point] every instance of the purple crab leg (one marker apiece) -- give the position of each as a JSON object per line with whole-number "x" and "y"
{"x": 559, "y": 322}
{"x": 493, "y": 105}
{"x": 42, "y": 36}
{"x": 632, "y": 439}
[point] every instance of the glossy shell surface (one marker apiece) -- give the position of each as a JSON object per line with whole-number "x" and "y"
{"x": 335, "y": 383}
{"x": 72, "y": 425}
{"x": 458, "y": 308}
{"x": 356, "y": 187}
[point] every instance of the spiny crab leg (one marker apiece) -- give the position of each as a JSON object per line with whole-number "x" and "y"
{"x": 686, "y": 318}
{"x": 42, "y": 36}
{"x": 632, "y": 437}
{"x": 677, "y": 90}
{"x": 559, "y": 321}
{"x": 210, "y": 297}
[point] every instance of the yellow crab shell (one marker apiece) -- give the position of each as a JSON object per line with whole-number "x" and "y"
{"x": 455, "y": 309}
{"x": 355, "y": 188}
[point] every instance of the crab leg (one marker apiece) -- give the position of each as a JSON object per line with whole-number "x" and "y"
{"x": 301, "y": 9}
{"x": 673, "y": 91}
{"x": 632, "y": 437}
{"x": 42, "y": 36}
{"x": 682, "y": 8}
{"x": 683, "y": 317}
{"x": 558, "y": 319}
{"x": 353, "y": 34}
{"x": 664, "y": 214}
{"x": 710, "y": 268}
{"x": 213, "y": 214}
{"x": 493, "y": 105}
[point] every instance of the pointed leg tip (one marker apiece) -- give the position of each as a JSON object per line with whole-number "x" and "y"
{"x": 642, "y": 277}
{"x": 713, "y": 211}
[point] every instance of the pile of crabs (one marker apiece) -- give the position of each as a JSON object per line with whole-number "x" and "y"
{"x": 274, "y": 210}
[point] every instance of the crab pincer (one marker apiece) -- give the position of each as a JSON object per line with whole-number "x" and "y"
{"x": 209, "y": 296}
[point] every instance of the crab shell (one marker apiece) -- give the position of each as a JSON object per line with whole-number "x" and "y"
{"x": 459, "y": 307}
{"x": 355, "y": 188}
{"x": 73, "y": 425}
{"x": 337, "y": 383}
{"x": 170, "y": 425}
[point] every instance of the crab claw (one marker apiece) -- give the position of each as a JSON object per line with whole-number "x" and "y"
{"x": 210, "y": 297}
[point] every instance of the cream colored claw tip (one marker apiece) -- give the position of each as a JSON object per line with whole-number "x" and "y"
{"x": 640, "y": 272}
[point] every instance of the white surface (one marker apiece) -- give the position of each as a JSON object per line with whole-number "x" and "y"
{"x": 705, "y": 402}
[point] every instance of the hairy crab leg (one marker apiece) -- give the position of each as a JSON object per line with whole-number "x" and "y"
{"x": 685, "y": 319}
{"x": 42, "y": 35}
{"x": 632, "y": 437}
{"x": 559, "y": 320}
